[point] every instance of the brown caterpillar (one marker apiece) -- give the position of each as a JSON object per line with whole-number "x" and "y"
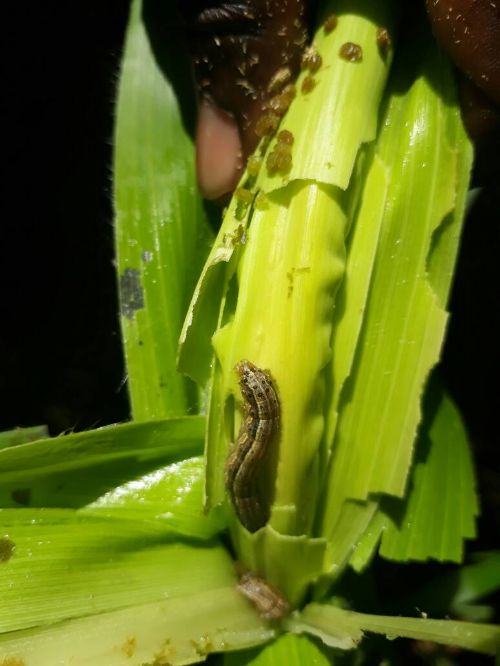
{"x": 261, "y": 421}
{"x": 269, "y": 601}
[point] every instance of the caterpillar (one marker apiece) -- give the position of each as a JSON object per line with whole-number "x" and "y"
{"x": 269, "y": 601}
{"x": 261, "y": 420}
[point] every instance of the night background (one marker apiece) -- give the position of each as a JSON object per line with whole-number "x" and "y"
{"x": 61, "y": 357}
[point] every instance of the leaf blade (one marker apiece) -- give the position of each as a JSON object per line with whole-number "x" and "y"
{"x": 161, "y": 231}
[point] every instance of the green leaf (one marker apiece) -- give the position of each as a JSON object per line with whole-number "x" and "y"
{"x": 427, "y": 156}
{"x": 171, "y": 497}
{"x": 289, "y": 649}
{"x": 182, "y": 630}
{"x": 442, "y": 503}
{"x": 133, "y": 601}
{"x": 366, "y": 546}
{"x": 195, "y": 352}
{"x": 75, "y": 469}
{"x": 174, "y": 438}
{"x": 344, "y": 629}
{"x": 162, "y": 236}
{"x": 113, "y": 592}
{"x": 83, "y": 566}
{"x": 354, "y": 517}
{"x": 22, "y": 436}
{"x": 478, "y": 579}
{"x": 352, "y": 537}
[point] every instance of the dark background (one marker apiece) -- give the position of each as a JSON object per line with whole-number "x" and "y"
{"x": 61, "y": 361}
{"x": 60, "y": 353}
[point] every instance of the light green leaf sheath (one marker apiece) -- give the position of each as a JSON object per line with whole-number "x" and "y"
{"x": 297, "y": 244}
{"x": 281, "y": 259}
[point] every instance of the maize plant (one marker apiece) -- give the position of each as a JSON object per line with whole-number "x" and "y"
{"x": 288, "y": 426}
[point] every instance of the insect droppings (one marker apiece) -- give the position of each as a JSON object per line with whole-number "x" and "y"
{"x": 351, "y": 52}
{"x": 279, "y": 103}
{"x": 311, "y": 59}
{"x": 266, "y": 124}
{"x": 330, "y": 23}
{"x": 261, "y": 419}
{"x": 280, "y": 78}
{"x": 279, "y": 159}
{"x": 243, "y": 195}
{"x": 308, "y": 84}
{"x": 383, "y": 40}
{"x": 285, "y": 136}
{"x": 7, "y": 548}
{"x": 253, "y": 165}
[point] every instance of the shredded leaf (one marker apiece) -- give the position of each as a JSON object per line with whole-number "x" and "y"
{"x": 404, "y": 321}
{"x": 442, "y": 504}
